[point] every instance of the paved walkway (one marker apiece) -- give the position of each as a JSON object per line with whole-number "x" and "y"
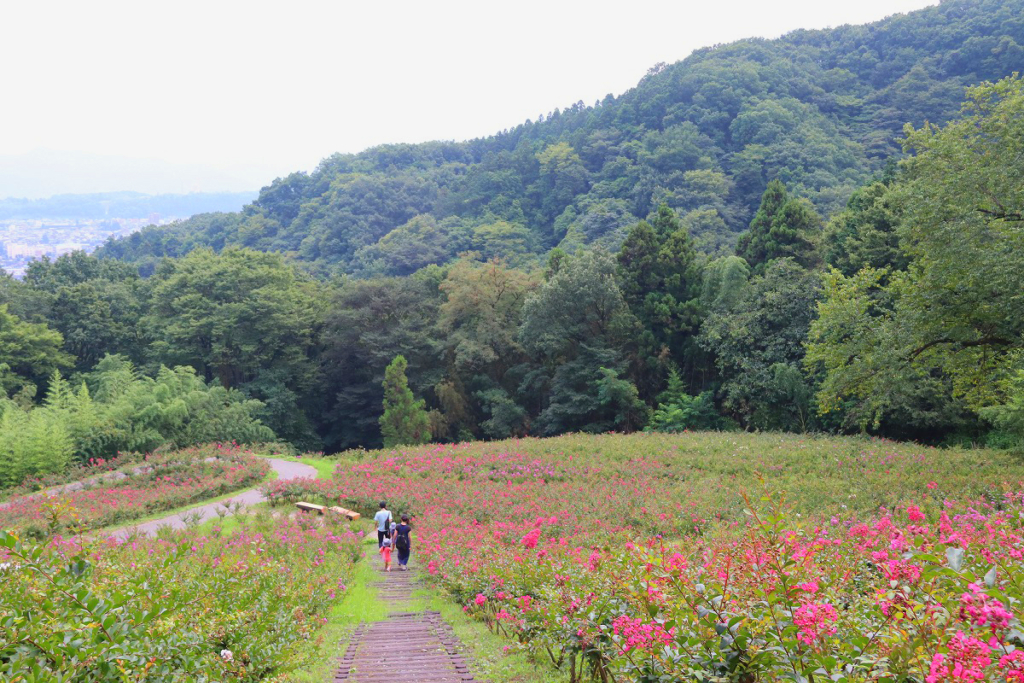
{"x": 285, "y": 470}
{"x": 407, "y": 647}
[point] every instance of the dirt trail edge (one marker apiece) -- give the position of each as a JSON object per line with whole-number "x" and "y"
{"x": 407, "y": 647}
{"x": 285, "y": 470}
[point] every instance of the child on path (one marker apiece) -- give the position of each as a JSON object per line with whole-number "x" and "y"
{"x": 385, "y": 551}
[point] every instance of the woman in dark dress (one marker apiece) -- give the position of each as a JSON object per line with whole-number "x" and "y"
{"x": 402, "y": 542}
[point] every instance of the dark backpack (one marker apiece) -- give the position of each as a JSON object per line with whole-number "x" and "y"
{"x": 402, "y": 541}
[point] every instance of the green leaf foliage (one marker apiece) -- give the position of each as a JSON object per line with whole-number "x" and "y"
{"x": 29, "y": 353}
{"x": 783, "y": 227}
{"x": 678, "y": 411}
{"x": 117, "y": 409}
{"x": 951, "y": 326}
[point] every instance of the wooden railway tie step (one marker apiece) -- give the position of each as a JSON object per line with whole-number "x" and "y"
{"x": 406, "y": 647}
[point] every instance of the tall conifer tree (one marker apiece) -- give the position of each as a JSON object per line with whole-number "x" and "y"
{"x": 405, "y": 420}
{"x": 783, "y": 226}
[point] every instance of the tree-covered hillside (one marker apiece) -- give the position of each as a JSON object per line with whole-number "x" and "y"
{"x": 898, "y": 312}
{"x": 819, "y": 110}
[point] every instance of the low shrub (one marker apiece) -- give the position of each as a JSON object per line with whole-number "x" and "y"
{"x": 155, "y": 483}
{"x": 640, "y": 557}
{"x": 199, "y": 608}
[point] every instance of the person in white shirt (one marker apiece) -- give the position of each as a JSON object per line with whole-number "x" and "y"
{"x": 383, "y": 521}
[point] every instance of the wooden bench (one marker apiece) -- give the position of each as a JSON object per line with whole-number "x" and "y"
{"x": 350, "y": 515}
{"x": 319, "y": 509}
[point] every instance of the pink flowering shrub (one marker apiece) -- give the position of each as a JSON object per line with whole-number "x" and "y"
{"x": 637, "y": 634}
{"x": 638, "y": 557}
{"x": 159, "y": 482}
{"x": 200, "y": 607}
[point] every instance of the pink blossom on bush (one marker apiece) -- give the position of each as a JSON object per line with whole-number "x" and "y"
{"x": 1012, "y": 666}
{"x": 530, "y": 540}
{"x": 637, "y": 634}
{"x": 914, "y": 514}
{"x": 981, "y": 610}
{"x": 814, "y": 621}
{"x": 967, "y": 661}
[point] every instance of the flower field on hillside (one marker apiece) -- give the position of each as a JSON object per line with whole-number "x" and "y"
{"x": 719, "y": 556}
{"x": 192, "y": 608}
{"x": 155, "y": 483}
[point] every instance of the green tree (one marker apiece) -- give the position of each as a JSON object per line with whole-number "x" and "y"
{"x": 96, "y": 304}
{"x": 782, "y": 227}
{"x": 32, "y": 442}
{"x": 248, "y": 320}
{"x": 478, "y": 323}
{"x": 405, "y": 420}
{"x": 29, "y": 353}
{"x": 367, "y": 324}
{"x": 577, "y": 326}
{"x": 725, "y": 279}
{"x": 620, "y": 398}
{"x": 661, "y": 282}
{"x": 955, "y": 317}
{"x": 678, "y": 411}
{"x": 758, "y": 345}
{"x": 857, "y": 348}
{"x": 562, "y": 177}
{"x": 117, "y": 409}
{"x": 864, "y": 234}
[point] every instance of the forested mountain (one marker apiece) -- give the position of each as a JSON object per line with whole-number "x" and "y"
{"x": 819, "y": 110}
{"x": 740, "y": 248}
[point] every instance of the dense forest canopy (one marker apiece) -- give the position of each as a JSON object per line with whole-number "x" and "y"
{"x": 820, "y": 232}
{"x": 820, "y": 111}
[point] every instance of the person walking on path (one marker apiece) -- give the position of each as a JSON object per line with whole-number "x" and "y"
{"x": 385, "y": 552}
{"x": 402, "y": 542}
{"x": 383, "y": 520}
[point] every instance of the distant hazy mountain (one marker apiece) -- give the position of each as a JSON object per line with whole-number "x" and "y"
{"x": 124, "y": 205}
{"x": 44, "y": 173}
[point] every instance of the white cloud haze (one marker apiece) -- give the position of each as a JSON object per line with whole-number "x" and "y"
{"x": 255, "y": 90}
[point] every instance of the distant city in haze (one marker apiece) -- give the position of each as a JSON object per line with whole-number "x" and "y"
{"x": 33, "y": 229}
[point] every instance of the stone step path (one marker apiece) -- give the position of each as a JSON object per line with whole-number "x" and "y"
{"x": 407, "y": 647}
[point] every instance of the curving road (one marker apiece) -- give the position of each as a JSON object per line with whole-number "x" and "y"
{"x": 285, "y": 470}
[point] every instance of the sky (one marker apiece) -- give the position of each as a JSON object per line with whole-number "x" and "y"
{"x": 219, "y": 95}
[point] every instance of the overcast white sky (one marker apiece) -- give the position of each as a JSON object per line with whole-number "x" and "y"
{"x": 259, "y": 90}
